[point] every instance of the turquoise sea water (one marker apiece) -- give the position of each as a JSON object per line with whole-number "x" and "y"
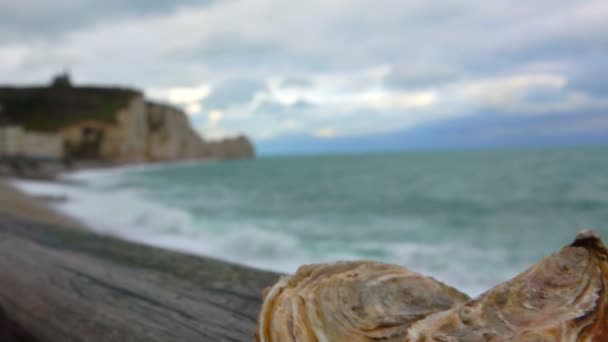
{"x": 471, "y": 218}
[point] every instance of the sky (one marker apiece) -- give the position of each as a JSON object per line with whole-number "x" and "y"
{"x": 321, "y": 75}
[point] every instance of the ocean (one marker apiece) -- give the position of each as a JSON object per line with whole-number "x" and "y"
{"x": 468, "y": 218}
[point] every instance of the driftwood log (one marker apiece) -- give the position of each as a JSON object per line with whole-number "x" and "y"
{"x": 62, "y": 284}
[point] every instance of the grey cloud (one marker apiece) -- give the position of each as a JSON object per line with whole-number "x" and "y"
{"x": 576, "y": 47}
{"x": 297, "y": 82}
{"x": 233, "y": 92}
{"x": 38, "y": 20}
{"x": 227, "y": 48}
{"x": 275, "y": 109}
{"x": 417, "y": 77}
{"x": 271, "y": 109}
{"x": 541, "y": 96}
{"x": 301, "y": 105}
{"x": 228, "y": 51}
{"x": 594, "y": 82}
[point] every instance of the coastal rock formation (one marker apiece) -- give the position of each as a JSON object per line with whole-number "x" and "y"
{"x": 122, "y": 139}
{"x": 14, "y": 140}
{"x": 148, "y": 131}
{"x": 229, "y": 148}
{"x": 564, "y": 297}
{"x": 110, "y": 124}
{"x": 170, "y": 136}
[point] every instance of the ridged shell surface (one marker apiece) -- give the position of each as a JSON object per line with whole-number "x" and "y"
{"x": 561, "y": 298}
{"x": 350, "y": 301}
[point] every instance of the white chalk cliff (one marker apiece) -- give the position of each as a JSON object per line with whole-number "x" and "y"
{"x": 146, "y": 131}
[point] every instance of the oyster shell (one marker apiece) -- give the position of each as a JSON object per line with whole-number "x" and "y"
{"x": 561, "y": 298}
{"x": 350, "y": 301}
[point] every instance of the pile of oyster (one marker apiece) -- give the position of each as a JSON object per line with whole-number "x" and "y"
{"x": 561, "y": 298}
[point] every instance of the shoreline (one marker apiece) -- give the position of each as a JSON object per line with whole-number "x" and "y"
{"x": 68, "y": 197}
{"x": 39, "y": 244}
{"x": 22, "y": 204}
{"x": 16, "y": 203}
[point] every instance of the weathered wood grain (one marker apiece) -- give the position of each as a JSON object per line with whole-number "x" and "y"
{"x": 73, "y": 285}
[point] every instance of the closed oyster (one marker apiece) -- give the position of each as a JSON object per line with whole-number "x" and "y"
{"x": 350, "y": 301}
{"x": 562, "y": 298}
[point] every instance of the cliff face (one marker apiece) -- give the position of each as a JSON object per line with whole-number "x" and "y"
{"x": 230, "y": 148}
{"x": 170, "y": 135}
{"x": 16, "y": 141}
{"x": 147, "y": 131}
{"x": 113, "y": 124}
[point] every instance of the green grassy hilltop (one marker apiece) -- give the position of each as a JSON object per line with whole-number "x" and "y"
{"x": 60, "y": 104}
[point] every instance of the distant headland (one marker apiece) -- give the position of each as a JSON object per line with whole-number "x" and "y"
{"x": 102, "y": 124}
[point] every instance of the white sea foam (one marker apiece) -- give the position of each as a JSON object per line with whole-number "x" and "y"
{"x": 125, "y": 213}
{"x": 100, "y": 199}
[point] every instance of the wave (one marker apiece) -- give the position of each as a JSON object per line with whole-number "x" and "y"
{"x": 104, "y": 201}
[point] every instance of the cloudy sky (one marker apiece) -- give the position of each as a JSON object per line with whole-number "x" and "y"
{"x": 296, "y": 72}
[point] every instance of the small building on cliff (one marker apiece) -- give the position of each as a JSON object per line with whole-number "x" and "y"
{"x": 109, "y": 124}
